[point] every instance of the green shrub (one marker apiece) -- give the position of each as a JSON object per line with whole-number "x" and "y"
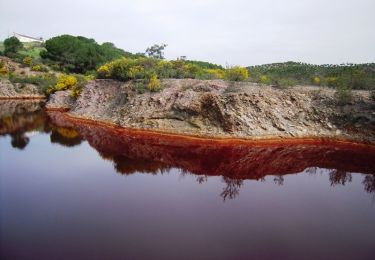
{"x": 236, "y": 73}
{"x": 139, "y": 87}
{"x": 343, "y": 94}
{"x": 12, "y": 45}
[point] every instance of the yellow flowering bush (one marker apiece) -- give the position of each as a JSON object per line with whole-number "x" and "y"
{"x": 3, "y": 70}
{"x": 104, "y": 71}
{"x": 36, "y": 68}
{"x": 65, "y": 82}
{"x": 215, "y": 73}
{"x": 67, "y": 132}
{"x": 154, "y": 83}
{"x": 264, "y": 79}
{"x": 135, "y": 72}
{"x": 236, "y": 73}
{"x": 27, "y": 61}
{"x": 316, "y": 80}
{"x": 332, "y": 81}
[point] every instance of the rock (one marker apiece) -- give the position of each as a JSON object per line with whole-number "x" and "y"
{"x": 60, "y": 100}
{"x": 19, "y": 90}
{"x": 215, "y": 108}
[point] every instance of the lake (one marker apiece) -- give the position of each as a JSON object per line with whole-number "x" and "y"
{"x": 76, "y": 190}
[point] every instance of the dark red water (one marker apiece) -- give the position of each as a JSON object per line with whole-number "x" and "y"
{"x": 73, "y": 190}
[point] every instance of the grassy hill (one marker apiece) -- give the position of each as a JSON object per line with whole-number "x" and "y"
{"x": 357, "y": 76}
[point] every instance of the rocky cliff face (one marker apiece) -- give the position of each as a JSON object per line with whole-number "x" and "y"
{"x": 215, "y": 108}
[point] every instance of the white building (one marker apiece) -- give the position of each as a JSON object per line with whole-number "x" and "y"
{"x": 24, "y": 38}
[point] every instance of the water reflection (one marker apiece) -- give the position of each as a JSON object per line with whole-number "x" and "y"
{"x": 153, "y": 154}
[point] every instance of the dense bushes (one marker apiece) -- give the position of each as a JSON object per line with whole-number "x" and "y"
{"x": 150, "y": 70}
{"x": 79, "y": 54}
{"x": 74, "y": 83}
{"x": 144, "y": 68}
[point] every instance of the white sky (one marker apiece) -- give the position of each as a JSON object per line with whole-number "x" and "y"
{"x": 236, "y": 32}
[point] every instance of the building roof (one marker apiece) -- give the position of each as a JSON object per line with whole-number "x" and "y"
{"x": 32, "y": 38}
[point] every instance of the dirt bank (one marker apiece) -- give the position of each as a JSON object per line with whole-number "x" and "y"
{"x": 218, "y": 109}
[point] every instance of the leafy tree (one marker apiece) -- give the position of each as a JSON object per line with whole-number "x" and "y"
{"x": 79, "y": 54}
{"x": 12, "y": 45}
{"x": 156, "y": 51}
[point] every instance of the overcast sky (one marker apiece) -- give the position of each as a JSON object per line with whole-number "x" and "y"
{"x": 233, "y": 32}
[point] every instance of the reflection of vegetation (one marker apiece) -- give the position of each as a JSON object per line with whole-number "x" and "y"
{"x": 67, "y": 132}
{"x": 65, "y": 136}
{"x": 339, "y": 177}
{"x": 279, "y": 180}
{"x": 369, "y": 182}
{"x": 125, "y": 165}
{"x": 232, "y": 189}
{"x": 201, "y": 179}
{"x": 19, "y": 140}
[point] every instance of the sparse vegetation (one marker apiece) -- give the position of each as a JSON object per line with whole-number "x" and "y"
{"x": 44, "y": 81}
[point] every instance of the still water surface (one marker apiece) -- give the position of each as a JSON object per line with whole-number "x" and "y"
{"x": 79, "y": 191}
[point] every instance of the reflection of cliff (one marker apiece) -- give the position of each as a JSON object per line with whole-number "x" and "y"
{"x": 18, "y": 117}
{"x": 150, "y": 153}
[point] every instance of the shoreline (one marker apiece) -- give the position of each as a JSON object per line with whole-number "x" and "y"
{"x": 217, "y": 140}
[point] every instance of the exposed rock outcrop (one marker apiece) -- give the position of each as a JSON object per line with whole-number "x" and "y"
{"x": 9, "y": 90}
{"x": 215, "y": 108}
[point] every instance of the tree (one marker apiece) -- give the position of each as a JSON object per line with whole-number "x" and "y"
{"x": 12, "y": 45}
{"x": 79, "y": 54}
{"x": 156, "y": 51}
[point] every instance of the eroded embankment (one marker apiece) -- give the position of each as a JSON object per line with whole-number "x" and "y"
{"x": 218, "y": 109}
